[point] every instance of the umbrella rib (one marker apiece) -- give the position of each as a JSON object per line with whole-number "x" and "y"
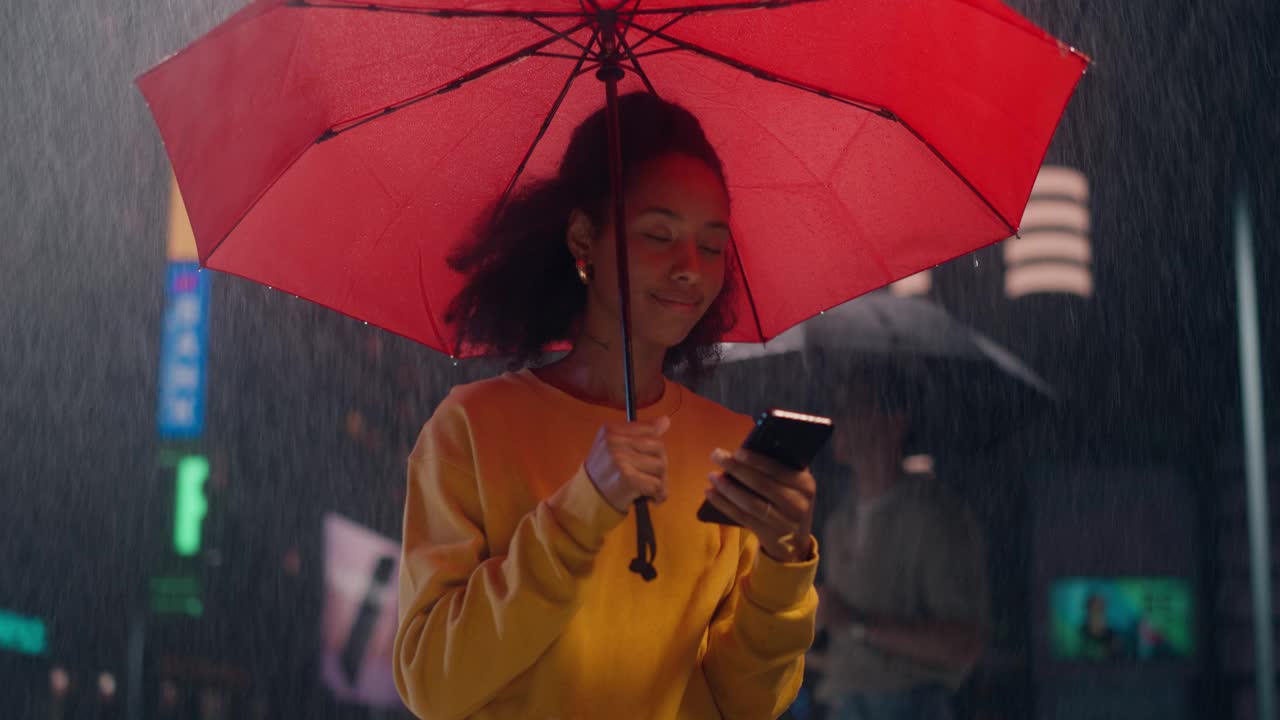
{"x": 446, "y": 13}
{"x": 635, "y": 65}
{"x": 1013, "y": 230}
{"x": 546, "y": 123}
{"x": 768, "y": 76}
{"x": 650, "y": 34}
{"x": 431, "y": 317}
{"x": 630, "y": 16}
{"x": 720, "y": 7}
{"x": 562, "y": 56}
{"x": 562, "y": 34}
{"x": 827, "y": 94}
{"x": 746, "y": 288}
{"x": 660, "y": 51}
{"x": 450, "y": 86}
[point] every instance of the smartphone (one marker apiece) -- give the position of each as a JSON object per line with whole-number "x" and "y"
{"x": 790, "y": 438}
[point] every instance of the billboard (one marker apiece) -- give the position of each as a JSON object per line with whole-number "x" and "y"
{"x": 183, "y": 341}
{"x": 360, "y": 590}
{"x": 1121, "y": 618}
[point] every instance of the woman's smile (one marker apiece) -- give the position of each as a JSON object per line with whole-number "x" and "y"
{"x": 679, "y": 304}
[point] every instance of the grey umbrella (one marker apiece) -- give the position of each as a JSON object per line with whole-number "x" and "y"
{"x": 963, "y": 389}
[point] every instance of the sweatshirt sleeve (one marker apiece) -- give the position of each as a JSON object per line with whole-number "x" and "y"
{"x": 755, "y": 653}
{"x": 471, "y": 622}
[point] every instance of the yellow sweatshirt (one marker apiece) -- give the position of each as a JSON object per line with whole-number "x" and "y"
{"x": 515, "y": 596}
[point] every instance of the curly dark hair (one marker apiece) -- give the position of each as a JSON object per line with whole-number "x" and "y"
{"x": 523, "y": 294}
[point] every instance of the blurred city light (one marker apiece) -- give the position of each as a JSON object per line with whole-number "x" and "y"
{"x": 1052, "y": 253}
{"x": 22, "y": 634}
{"x": 59, "y": 681}
{"x": 913, "y": 285}
{"x": 107, "y": 684}
{"x": 178, "y": 595}
{"x": 918, "y": 464}
{"x": 189, "y": 505}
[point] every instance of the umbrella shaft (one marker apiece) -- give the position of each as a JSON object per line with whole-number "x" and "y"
{"x": 620, "y": 240}
{"x": 610, "y": 72}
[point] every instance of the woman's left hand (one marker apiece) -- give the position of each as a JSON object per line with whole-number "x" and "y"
{"x": 783, "y": 519}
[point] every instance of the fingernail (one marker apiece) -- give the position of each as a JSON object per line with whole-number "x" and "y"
{"x": 719, "y": 455}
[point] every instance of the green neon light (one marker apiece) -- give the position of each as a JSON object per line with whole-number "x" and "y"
{"x": 22, "y": 634}
{"x": 176, "y": 595}
{"x": 190, "y": 504}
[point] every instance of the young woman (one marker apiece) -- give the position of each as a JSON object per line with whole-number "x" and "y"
{"x": 515, "y": 596}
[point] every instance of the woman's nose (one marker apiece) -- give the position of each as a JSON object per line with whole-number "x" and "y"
{"x": 686, "y": 266}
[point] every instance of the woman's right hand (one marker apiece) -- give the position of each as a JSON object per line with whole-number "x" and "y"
{"x": 629, "y": 461}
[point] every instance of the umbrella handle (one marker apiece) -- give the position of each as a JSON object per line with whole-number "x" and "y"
{"x": 646, "y": 543}
{"x": 610, "y": 73}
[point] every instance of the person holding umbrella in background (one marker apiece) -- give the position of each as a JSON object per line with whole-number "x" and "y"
{"x": 515, "y": 599}
{"x": 903, "y": 584}
{"x": 905, "y": 600}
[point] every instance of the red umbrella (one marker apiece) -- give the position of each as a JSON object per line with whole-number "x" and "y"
{"x": 338, "y": 150}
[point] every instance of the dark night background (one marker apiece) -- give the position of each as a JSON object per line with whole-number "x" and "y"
{"x": 310, "y": 412}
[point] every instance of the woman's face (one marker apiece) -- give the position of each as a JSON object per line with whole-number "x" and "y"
{"x": 677, "y": 214}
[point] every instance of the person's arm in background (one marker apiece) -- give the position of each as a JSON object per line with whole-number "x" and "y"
{"x": 946, "y": 644}
{"x": 472, "y": 622}
{"x": 755, "y": 653}
{"x": 955, "y": 588}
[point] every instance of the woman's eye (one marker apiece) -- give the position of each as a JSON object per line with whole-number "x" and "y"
{"x": 658, "y": 237}
{"x": 708, "y": 250}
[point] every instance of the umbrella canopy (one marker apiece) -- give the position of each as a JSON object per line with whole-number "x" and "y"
{"x": 961, "y": 388}
{"x": 337, "y": 150}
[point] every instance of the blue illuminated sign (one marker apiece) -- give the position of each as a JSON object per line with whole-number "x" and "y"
{"x": 182, "y": 352}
